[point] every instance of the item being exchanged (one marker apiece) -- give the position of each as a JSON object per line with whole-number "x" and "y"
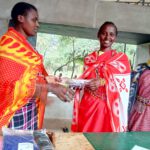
{"x": 75, "y": 83}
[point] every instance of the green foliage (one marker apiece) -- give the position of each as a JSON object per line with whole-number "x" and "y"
{"x": 119, "y": 47}
{"x": 65, "y": 54}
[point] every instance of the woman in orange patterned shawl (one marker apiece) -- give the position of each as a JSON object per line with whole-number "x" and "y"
{"x": 102, "y": 105}
{"x": 23, "y": 86}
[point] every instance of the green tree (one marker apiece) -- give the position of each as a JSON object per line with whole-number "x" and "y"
{"x": 64, "y": 54}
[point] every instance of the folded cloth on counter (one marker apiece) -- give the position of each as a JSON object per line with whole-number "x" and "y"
{"x": 16, "y": 142}
{"x": 26, "y": 140}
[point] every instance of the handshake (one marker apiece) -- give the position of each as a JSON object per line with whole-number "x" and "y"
{"x": 59, "y": 88}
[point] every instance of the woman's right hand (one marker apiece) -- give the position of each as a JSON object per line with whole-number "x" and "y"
{"x": 61, "y": 91}
{"x": 93, "y": 84}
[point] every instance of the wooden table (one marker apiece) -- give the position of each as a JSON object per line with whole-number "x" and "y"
{"x": 72, "y": 141}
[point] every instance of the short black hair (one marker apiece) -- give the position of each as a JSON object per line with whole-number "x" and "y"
{"x": 104, "y": 24}
{"x": 21, "y": 8}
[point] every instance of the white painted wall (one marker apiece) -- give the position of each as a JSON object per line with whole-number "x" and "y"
{"x": 56, "y": 109}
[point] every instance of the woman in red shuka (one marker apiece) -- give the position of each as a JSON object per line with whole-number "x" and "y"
{"x": 101, "y": 106}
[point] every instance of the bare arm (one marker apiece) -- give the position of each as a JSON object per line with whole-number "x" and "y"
{"x": 61, "y": 91}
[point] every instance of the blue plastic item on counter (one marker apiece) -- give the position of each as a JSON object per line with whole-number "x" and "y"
{"x": 15, "y": 142}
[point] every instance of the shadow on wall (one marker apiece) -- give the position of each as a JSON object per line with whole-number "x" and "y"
{"x": 3, "y": 26}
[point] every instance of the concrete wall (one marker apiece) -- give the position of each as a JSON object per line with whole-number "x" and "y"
{"x": 143, "y": 53}
{"x": 88, "y": 13}
{"x": 3, "y": 26}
